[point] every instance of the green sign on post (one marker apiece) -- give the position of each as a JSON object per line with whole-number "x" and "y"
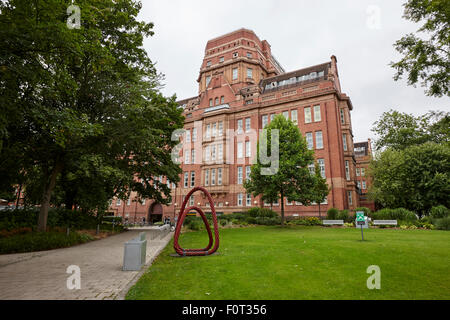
{"x": 360, "y": 220}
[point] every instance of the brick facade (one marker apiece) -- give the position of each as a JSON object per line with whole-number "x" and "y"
{"x": 239, "y": 80}
{"x": 363, "y": 155}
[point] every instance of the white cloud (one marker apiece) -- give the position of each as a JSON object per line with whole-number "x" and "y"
{"x": 301, "y": 33}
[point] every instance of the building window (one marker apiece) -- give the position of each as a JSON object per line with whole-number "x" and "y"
{"x": 235, "y": 54}
{"x": 248, "y": 170}
{"x": 347, "y": 170}
{"x": 186, "y": 156}
{"x": 240, "y": 199}
{"x": 194, "y": 134}
{"x": 344, "y": 140}
{"x": 363, "y": 172}
{"x": 207, "y": 153}
{"x": 286, "y": 115}
{"x": 214, "y": 129}
{"x": 317, "y": 115}
{"x": 249, "y": 55}
{"x": 321, "y": 163}
{"x": 294, "y": 116}
{"x": 213, "y": 153}
{"x": 207, "y": 177}
{"x": 217, "y": 101}
{"x": 191, "y": 201}
{"x": 210, "y": 102}
{"x": 213, "y": 177}
{"x": 248, "y": 200}
{"x": 118, "y": 202}
{"x": 248, "y": 149}
{"x": 308, "y": 115}
{"x": 222, "y": 99}
{"x": 265, "y": 121}
{"x": 208, "y": 80}
{"x": 220, "y": 152}
{"x": 239, "y": 176}
{"x": 288, "y": 203}
{"x": 364, "y": 184}
{"x": 309, "y": 140}
{"x": 247, "y": 124}
{"x": 359, "y": 184}
{"x": 311, "y": 168}
{"x": 208, "y": 64}
{"x": 219, "y": 176}
{"x": 350, "y": 198}
{"x": 221, "y": 59}
{"x": 249, "y": 73}
{"x": 143, "y": 202}
{"x": 240, "y": 151}
{"x": 208, "y": 131}
{"x": 186, "y": 179}
{"x": 192, "y": 178}
{"x": 357, "y": 172}
{"x": 342, "y": 116}
{"x": 193, "y": 156}
{"x": 239, "y": 126}
{"x": 272, "y": 116}
{"x": 319, "y": 140}
{"x": 220, "y": 132}
{"x": 235, "y": 74}
{"x": 188, "y": 136}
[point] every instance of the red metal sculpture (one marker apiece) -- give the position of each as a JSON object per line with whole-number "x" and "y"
{"x": 182, "y": 215}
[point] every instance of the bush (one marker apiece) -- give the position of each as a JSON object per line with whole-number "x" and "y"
{"x": 439, "y": 212}
{"x": 261, "y": 212}
{"x": 443, "y": 223}
{"x": 343, "y": 215}
{"x": 365, "y": 209}
{"x": 28, "y": 218}
{"x": 309, "y": 221}
{"x": 38, "y": 241}
{"x": 332, "y": 214}
{"x": 399, "y": 214}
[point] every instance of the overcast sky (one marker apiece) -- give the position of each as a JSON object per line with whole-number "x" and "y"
{"x": 302, "y": 33}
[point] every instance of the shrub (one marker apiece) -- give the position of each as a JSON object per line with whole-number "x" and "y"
{"x": 309, "y": 221}
{"x": 343, "y": 215}
{"x": 443, "y": 223}
{"x": 439, "y": 212}
{"x": 399, "y": 214}
{"x": 365, "y": 209}
{"x": 38, "y": 241}
{"x": 261, "y": 212}
{"x": 332, "y": 213}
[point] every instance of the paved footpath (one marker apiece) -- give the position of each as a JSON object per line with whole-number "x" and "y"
{"x": 42, "y": 275}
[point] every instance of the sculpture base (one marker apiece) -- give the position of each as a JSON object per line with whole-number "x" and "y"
{"x": 176, "y": 255}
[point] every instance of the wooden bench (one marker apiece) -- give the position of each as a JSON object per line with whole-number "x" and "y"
{"x": 333, "y": 222}
{"x": 384, "y": 222}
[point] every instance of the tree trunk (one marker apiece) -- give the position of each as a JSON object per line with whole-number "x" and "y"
{"x": 282, "y": 209}
{"x": 319, "y": 212}
{"x": 45, "y": 203}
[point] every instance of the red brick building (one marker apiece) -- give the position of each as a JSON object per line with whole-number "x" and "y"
{"x": 241, "y": 88}
{"x": 363, "y": 155}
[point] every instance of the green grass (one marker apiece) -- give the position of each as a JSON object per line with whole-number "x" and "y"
{"x": 299, "y": 262}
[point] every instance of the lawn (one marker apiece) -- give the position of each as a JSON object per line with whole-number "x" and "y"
{"x": 299, "y": 262}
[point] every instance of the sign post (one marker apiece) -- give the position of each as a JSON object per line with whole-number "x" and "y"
{"x": 360, "y": 220}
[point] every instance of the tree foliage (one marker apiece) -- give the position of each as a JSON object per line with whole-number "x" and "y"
{"x": 293, "y": 179}
{"x": 416, "y": 178}
{"x": 426, "y": 57}
{"x": 401, "y": 130}
{"x": 82, "y": 117}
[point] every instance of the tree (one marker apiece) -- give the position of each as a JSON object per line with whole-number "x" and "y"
{"x": 416, "y": 178}
{"x": 426, "y": 59}
{"x": 401, "y": 130}
{"x": 81, "y": 111}
{"x": 321, "y": 189}
{"x": 292, "y": 179}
